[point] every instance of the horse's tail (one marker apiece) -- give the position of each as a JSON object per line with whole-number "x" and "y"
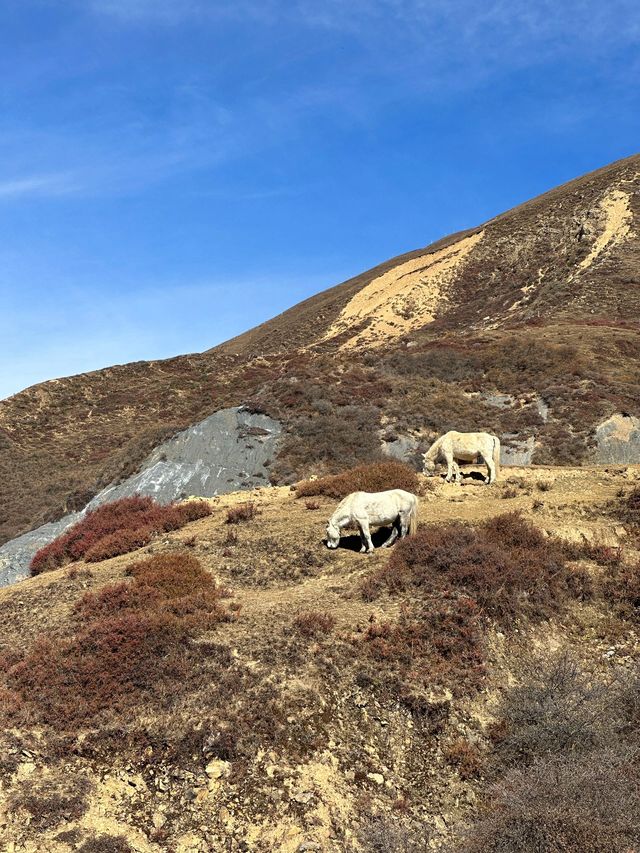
{"x": 496, "y": 454}
{"x": 413, "y": 518}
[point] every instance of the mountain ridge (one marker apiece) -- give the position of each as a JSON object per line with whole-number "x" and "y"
{"x": 546, "y": 303}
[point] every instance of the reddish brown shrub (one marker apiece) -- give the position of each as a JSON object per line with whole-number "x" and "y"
{"x": 313, "y": 623}
{"x": 440, "y": 642}
{"x": 376, "y": 477}
{"x": 312, "y": 504}
{"x": 621, "y": 586}
{"x": 505, "y": 564}
{"x": 464, "y": 577}
{"x": 120, "y": 542}
{"x": 465, "y": 757}
{"x": 51, "y": 802}
{"x": 193, "y": 510}
{"x": 133, "y": 641}
{"x": 243, "y": 512}
{"x": 111, "y": 601}
{"x": 115, "y": 528}
{"x": 109, "y": 665}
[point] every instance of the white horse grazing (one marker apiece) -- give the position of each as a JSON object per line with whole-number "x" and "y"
{"x": 464, "y": 447}
{"x": 363, "y": 509}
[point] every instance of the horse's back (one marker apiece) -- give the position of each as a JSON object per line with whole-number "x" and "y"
{"x": 470, "y": 442}
{"x": 387, "y": 503}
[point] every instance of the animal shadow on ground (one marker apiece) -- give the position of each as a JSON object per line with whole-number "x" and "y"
{"x": 474, "y": 476}
{"x": 354, "y": 543}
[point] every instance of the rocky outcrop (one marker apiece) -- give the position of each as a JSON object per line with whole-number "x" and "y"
{"x": 516, "y": 451}
{"x": 228, "y": 451}
{"x": 618, "y": 440}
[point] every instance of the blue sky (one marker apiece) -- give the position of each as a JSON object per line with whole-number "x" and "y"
{"x": 173, "y": 172}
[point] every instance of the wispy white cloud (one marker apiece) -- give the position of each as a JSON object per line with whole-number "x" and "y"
{"x": 525, "y": 20}
{"x": 368, "y": 54}
{"x": 38, "y": 185}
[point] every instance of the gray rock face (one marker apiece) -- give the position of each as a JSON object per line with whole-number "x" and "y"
{"x": 618, "y": 440}
{"x": 16, "y": 554}
{"x": 404, "y": 448}
{"x": 228, "y": 451}
{"x": 516, "y": 451}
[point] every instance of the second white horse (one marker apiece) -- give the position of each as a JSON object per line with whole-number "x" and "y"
{"x": 464, "y": 447}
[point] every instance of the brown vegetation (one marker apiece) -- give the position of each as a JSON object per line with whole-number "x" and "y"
{"x": 460, "y": 580}
{"x": 565, "y": 754}
{"x": 115, "y": 528}
{"x": 313, "y": 623}
{"x": 131, "y": 643}
{"x": 374, "y": 477}
{"x": 242, "y": 512}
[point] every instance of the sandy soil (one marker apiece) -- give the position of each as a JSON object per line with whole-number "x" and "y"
{"x": 404, "y": 298}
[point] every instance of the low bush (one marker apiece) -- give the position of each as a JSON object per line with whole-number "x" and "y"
{"x": 106, "y": 844}
{"x": 460, "y": 579}
{"x": 566, "y": 760}
{"x": 441, "y": 642}
{"x": 556, "y": 707}
{"x": 313, "y": 623}
{"x": 565, "y": 804}
{"x": 376, "y": 477}
{"x": 243, "y": 512}
{"x": 115, "y": 528}
{"x": 49, "y": 803}
{"x": 120, "y": 542}
{"x": 621, "y": 586}
{"x": 504, "y": 564}
{"x": 465, "y": 757}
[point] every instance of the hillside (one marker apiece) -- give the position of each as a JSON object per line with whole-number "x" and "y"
{"x": 331, "y": 701}
{"x": 527, "y": 325}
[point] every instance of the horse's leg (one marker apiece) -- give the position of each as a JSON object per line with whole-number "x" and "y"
{"x": 404, "y": 524}
{"x": 457, "y": 475}
{"x": 491, "y": 468}
{"x": 450, "y": 463}
{"x": 393, "y": 535}
{"x": 365, "y": 535}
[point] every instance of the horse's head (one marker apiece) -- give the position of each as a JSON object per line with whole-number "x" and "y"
{"x": 333, "y": 535}
{"x": 429, "y": 466}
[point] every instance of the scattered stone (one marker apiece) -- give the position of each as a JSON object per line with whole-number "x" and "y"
{"x": 217, "y": 768}
{"x": 378, "y": 778}
{"x": 304, "y": 797}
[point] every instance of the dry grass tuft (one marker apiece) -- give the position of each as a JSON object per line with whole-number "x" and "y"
{"x": 243, "y": 512}
{"x": 313, "y": 624}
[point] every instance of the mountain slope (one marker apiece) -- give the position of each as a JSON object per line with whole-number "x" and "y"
{"x": 537, "y": 309}
{"x": 321, "y": 708}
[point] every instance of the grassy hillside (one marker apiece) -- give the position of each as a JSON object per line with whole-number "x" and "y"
{"x": 234, "y": 685}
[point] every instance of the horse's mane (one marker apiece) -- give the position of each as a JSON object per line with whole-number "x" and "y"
{"x": 434, "y": 447}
